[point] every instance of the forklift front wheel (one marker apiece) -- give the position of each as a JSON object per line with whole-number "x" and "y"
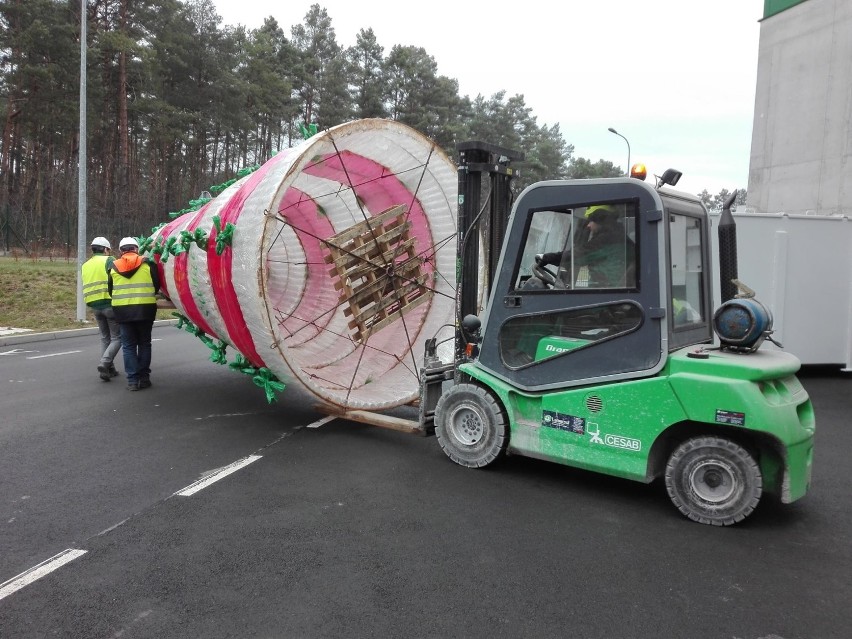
{"x": 713, "y": 480}
{"x": 471, "y": 426}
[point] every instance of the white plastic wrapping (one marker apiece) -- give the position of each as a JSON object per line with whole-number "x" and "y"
{"x": 280, "y": 292}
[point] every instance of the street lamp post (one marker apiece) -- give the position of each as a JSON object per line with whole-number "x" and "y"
{"x": 82, "y": 162}
{"x": 611, "y": 130}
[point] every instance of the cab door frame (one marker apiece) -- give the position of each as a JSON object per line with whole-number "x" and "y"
{"x": 633, "y": 354}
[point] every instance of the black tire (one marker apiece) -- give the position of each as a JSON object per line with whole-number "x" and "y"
{"x": 471, "y": 426}
{"x": 713, "y": 480}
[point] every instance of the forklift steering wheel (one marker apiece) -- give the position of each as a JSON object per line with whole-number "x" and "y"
{"x": 547, "y": 276}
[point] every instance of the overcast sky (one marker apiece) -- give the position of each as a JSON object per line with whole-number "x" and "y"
{"x": 675, "y": 77}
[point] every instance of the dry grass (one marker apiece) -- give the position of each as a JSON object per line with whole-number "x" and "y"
{"x": 41, "y": 295}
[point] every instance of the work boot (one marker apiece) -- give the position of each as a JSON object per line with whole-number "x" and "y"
{"x": 144, "y": 382}
{"x": 103, "y": 373}
{"x": 132, "y": 386}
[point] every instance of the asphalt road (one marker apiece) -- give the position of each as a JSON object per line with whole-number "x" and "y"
{"x": 346, "y": 530}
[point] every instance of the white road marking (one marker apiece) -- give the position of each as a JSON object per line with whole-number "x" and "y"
{"x": 322, "y": 421}
{"x": 139, "y": 617}
{"x": 37, "y": 572}
{"x": 17, "y": 351}
{"x": 54, "y": 354}
{"x": 217, "y": 475}
{"x": 224, "y": 415}
{"x": 114, "y": 526}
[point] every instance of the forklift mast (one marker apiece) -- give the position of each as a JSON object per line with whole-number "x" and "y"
{"x": 475, "y": 160}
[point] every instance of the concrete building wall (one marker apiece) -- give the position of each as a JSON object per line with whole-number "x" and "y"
{"x": 801, "y": 149}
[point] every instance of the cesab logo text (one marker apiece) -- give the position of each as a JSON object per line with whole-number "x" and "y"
{"x": 617, "y": 441}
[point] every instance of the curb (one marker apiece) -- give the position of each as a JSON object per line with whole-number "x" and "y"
{"x": 26, "y": 338}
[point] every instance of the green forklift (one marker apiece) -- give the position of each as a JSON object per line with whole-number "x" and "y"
{"x": 596, "y": 348}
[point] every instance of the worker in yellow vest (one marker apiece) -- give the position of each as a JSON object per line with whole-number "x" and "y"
{"x": 133, "y": 285}
{"x": 96, "y": 295}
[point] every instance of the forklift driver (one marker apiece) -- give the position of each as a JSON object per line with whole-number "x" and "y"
{"x": 603, "y": 247}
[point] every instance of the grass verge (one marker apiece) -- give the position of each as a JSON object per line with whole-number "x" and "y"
{"x": 41, "y": 295}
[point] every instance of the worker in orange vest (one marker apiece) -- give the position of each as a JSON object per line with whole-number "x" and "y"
{"x": 133, "y": 285}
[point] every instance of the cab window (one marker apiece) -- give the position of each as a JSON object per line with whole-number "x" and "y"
{"x": 591, "y": 247}
{"x": 529, "y": 339}
{"x": 687, "y": 272}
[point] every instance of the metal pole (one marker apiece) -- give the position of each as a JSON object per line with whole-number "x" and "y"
{"x": 81, "y": 170}
{"x": 611, "y": 130}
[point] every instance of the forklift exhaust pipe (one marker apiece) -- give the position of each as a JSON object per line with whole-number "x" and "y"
{"x": 728, "y": 251}
{"x": 742, "y": 325}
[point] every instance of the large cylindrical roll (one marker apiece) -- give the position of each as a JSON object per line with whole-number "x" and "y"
{"x": 330, "y": 265}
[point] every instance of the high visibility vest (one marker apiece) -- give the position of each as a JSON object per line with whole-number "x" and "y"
{"x": 138, "y": 289}
{"x": 95, "y": 279}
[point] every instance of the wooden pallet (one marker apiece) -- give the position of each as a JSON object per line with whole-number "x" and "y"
{"x": 375, "y": 419}
{"x": 377, "y": 272}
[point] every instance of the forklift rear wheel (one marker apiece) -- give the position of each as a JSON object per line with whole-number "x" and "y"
{"x": 471, "y": 426}
{"x": 713, "y": 480}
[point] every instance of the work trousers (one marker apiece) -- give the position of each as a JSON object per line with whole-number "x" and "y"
{"x": 136, "y": 345}
{"x": 110, "y": 334}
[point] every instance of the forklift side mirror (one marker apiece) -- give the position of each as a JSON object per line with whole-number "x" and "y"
{"x": 470, "y": 332}
{"x": 670, "y": 177}
{"x": 471, "y": 325}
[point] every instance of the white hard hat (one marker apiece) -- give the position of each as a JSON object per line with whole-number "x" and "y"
{"x": 128, "y": 241}
{"x": 101, "y": 241}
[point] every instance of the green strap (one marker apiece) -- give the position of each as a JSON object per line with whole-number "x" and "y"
{"x": 242, "y": 365}
{"x": 145, "y": 244}
{"x": 267, "y": 380}
{"x": 168, "y": 249}
{"x": 224, "y": 237}
{"x": 218, "y": 348}
{"x": 217, "y": 189}
{"x": 157, "y": 249}
{"x": 199, "y": 237}
{"x": 218, "y": 354}
{"x": 262, "y": 377}
{"x": 309, "y": 131}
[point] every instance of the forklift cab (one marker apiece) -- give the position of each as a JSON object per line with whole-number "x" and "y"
{"x": 598, "y": 283}
{"x": 598, "y": 280}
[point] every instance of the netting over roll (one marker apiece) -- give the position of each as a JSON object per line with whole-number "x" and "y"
{"x": 340, "y": 265}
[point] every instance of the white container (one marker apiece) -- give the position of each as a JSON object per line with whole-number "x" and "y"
{"x": 800, "y": 267}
